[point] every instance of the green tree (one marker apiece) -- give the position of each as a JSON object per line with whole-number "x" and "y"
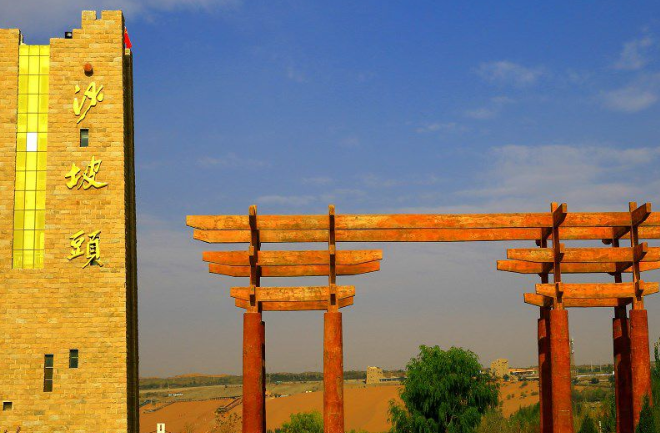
{"x": 308, "y": 422}
{"x": 646, "y": 421}
{"x": 588, "y": 425}
{"x": 444, "y": 391}
{"x": 609, "y": 414}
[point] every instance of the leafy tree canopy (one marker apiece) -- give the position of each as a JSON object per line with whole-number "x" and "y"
{"x": 444, "y": 391}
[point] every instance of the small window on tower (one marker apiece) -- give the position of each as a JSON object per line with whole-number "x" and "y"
{"x": 48, "y": 373}
{"x": 84, "y": 137}
{"x": 6, "y": 405}
{"x": 73, "y": 358}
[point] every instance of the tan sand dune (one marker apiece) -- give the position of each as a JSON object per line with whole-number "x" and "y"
{"x": 178, "y": 417}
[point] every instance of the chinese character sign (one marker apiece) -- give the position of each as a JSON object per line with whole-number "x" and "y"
{"x": 93, "y": 247}
{"x": 87, "y": 178}
{"x": 90, "y": 98}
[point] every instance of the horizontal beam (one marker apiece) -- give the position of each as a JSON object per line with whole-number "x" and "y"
{"x": 295, "y": 271}
{"x": 287, "y": 258}
{"x": 291, "y": 294}
{"x": 413, "y": 235}
{"x": 642, "y": 252}
{"x": 420, "y": 221}
{"x": 544, "y": 301}
{"x": 596, "y": 290}
{"x": 523, "y": 267}
{"x": 295, "y": 306}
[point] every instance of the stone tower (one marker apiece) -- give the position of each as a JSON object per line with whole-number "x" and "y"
{"x": 68, "y": 287}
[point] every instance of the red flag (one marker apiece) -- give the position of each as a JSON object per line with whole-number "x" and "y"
{"x": 127, "y": 40}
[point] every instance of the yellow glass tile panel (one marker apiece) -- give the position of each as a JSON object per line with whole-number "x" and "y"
{"x": 23, "y": 84}
{"x": 18, "y": 218}
{"x": 31, "y": 160}
{"x": 43, "y": 103}
{"x": 18, "y": 239}
{"x": 34, "y": 50}
{"x": 21, "y": 141}
{"x": 30, "y": 201}
{"x": 32, "y": 122}
{"x": 23, "y": 65}
{"x": 41, "y": 200}
{"x": 19, "y": 201}
{"x": 43, "y": 84}
{"x": 23, "y": 50}
{"x": 22, "y": 104}
{"x": 39, "y": 253}
{"x": 33, "y": 84}
{"x": 30, "y": 185}
{"x": 43, "y": 123}
{"x": 33, "y": 104}
{"x": 44, "y": 65}
{"x": 41, "y": 185}
{"x": 20, "y": 181}
{"x": 41, "y": 161}
{"x": 28, "y": 239}
{"x": 43, "y": 141}
{"x": 22, "y": 123}
{"x": 20, "y": 161}
{"x": 28, "y": 256}
{"x": 40, "y": 220}
{"x": 33, "y": 65}
{"x": 28, "y": 222}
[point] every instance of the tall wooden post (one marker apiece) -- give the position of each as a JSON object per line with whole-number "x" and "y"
{"x": 253, "y": 396}
{"x": 263, "y": 371}
{"x": 333, "y": 344}
{"x": 545, "y": 384}
{"x": 622, "y": 379}
{"x": 560, "y": 347}
{"x": 333, "y": 373}
{"x": 640, "y": 356}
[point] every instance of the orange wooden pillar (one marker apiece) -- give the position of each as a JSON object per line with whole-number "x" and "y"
{"x": 560, "y": 366}
{"x": 545, "y": 389}
{"x": 263, "y": 369}
{"x": 253, "y": 392}
{"x": 640, "y": 359}
{"x": 622, "y": 379}
{"x": 333, "y": 373}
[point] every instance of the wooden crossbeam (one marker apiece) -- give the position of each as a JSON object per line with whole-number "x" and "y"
{"x": 525, "y": 267}
{"x": 595, "y": 290}
{"x": 414, "y": 235}
{"x": 294, "y": 271}
{"x": 288, "y": 258}
{"x": 423, "y": 221}
{"x": 642, "y": 252}
{"x": 295, "y": 306}
{"x": 292, "y": 294}
{"x": 545, "y": 301}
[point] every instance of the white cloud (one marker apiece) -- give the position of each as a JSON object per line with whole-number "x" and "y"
{"x": 630, "y": 99}
{"x": 509, "y": 73}
{"x": 318, "y": 180}
{"x": 440, "y": 127}
{"x": 230, "y": 160}
{"x": 49, "y": 18}
{"x": 491, "y": 110}
{"x": 351, "y": 142}
{"x": 589, "y": 176}
{"x": 635, "y": 54}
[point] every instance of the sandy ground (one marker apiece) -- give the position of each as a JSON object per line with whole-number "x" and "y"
{"x": 366, "y": 408}
{"x": 521, "y": 393}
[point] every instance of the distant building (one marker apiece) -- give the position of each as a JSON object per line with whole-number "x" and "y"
{"x": 500, "y": 368}
{"x": 374, "y": 375}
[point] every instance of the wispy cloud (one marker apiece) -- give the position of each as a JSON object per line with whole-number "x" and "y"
{"x": 230, "y": 160}
{"x": 506, "y": 72}
{"x": 48, "y": 18}
{"x": 638, "y": 96}
{"x": 593, "y": 176}
{"x": 491, "y": 110}
{"x": 318, "y": 180}
{"x": 441, "y": 127}
{"x": 635, "y": 54}
{"x": 351, "y": 142}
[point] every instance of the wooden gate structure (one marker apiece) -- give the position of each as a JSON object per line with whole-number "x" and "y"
{"x": 630, "y": 331}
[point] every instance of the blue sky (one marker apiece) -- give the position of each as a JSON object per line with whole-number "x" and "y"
{"x": 376, "y": 106}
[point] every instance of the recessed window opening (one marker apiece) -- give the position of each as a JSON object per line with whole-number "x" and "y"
{"x": 48, "y": 373}
{"x": 84, "y": 137}
{"x": 73, "y": 358}
{"x": 6, "y": 405}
